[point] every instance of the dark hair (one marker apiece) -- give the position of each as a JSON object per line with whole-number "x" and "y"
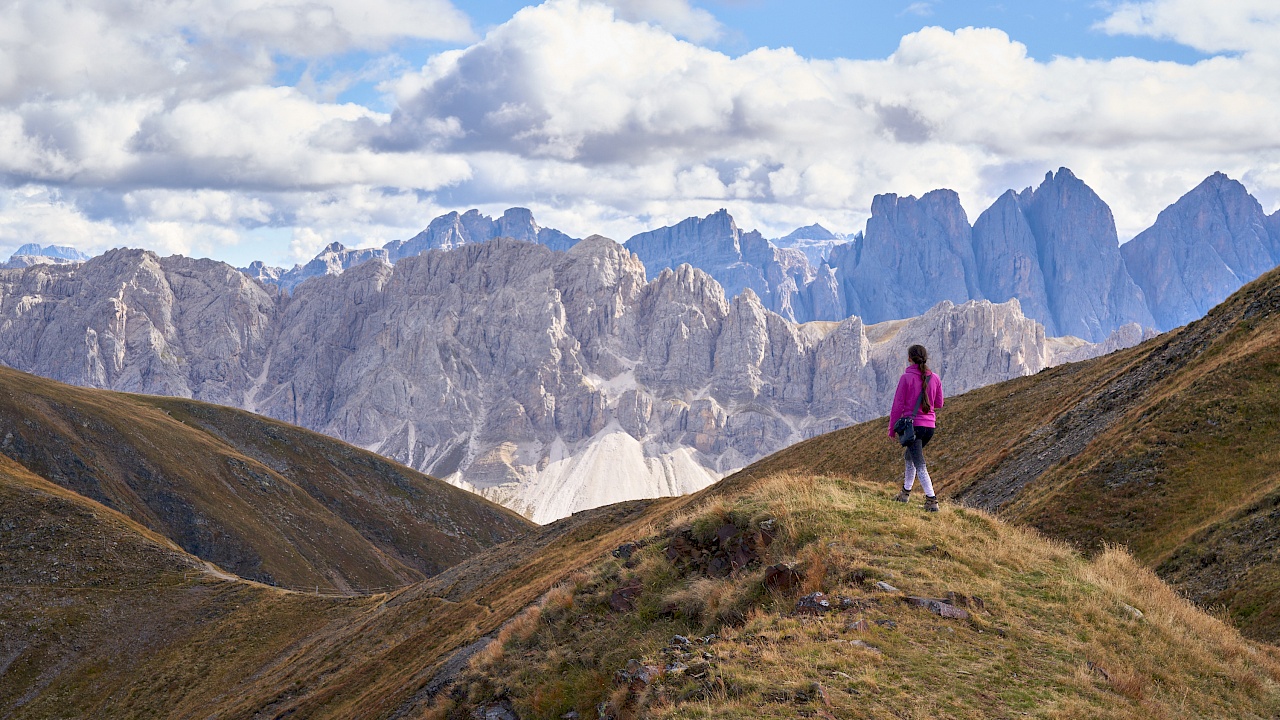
{"x": 918, "y": 355}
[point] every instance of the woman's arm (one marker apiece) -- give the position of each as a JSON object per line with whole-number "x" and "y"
{"x": 900, "y": 403}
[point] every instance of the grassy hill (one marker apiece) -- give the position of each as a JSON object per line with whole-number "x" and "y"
{"x": 1168, "y": 448}
{"x": 262, "y": 499}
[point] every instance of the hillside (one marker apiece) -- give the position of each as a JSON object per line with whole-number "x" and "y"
{"x": 104, "y": 618}
{"x": 259, "y": 498}
{"x": 1167, "y": 448}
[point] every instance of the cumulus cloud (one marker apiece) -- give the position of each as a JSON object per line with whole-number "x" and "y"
{"x": 676, "y": 16}
{"x": 567, "y": 95}
{"x": 1236, "y": 26}
{"x": 600, "y": 116}
{"x": 113, "y": 47}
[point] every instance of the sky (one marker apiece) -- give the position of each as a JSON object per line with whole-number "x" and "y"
{"x": 265, "y": 129}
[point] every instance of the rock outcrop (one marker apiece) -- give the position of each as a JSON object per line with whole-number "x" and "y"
{"x": 452, "y": 230}
{"x": 1089, "y": 291}
{"x": 738, "y": 260}
{"x": 33, "y": 254}
{"x": 1008, "y": 259}
{"x": 916, "y": 253}
{"x": 335, "y": 259}
{"x": 551, "y": 382}
{"x": 814, "y": 241}
{"x": 1200, "y": 250}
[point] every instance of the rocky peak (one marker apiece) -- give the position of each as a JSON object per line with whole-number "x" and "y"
{"x": 1089, "y": 292}
{"x": 453, "y": 229}
{"x": 737, "y": 260}
{"x": 33, "y": 254}
{"x": 1008, "y": 260}
{"x": 1200, "y": 250}
{"x": 916, "y": 253}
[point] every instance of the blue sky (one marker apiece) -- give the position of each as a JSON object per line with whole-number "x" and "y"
{"x": 265, "y": 129}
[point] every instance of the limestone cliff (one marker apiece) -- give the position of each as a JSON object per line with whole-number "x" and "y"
{"x": 549, "y": 381}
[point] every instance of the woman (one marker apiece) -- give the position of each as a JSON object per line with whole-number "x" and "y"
{"x": 907, "y": 399}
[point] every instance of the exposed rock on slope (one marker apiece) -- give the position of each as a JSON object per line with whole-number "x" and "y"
{"x": 551, "y": 382}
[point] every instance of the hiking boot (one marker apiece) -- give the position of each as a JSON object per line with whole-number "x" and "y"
{"x": 903, "y": 496}
{"x": 930, "y": 504}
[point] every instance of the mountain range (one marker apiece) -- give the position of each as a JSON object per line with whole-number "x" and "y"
{"x": 1053, "y": 247}
{"x": 548, "y": 381}
{"x": 531, "y": 369}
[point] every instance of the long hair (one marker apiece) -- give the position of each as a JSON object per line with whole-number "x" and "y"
{"x": 920, "y": 357}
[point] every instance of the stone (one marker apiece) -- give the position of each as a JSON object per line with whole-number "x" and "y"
{"x": 637, "y": 673}
{"x": 625, "y": 551}
{"x": 815, "y": 603}
{"x": 886, "y": 623}
{"x": 883, "y": 586}
{"x": 782, "y": 578}
{"x": 858, "y": 626}
{"x": 623, "y": 599}
{"x": 938, "y": 607}
{"x": 496, "y": 711}
{"x": 1133, "y": 612}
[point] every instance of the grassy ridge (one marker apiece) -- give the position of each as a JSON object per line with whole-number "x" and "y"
{"x": 262, "y": 499}
{"x": 1055, "y": 635}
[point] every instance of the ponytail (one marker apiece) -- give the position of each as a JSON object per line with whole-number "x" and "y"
{"x": 920, "y": 357}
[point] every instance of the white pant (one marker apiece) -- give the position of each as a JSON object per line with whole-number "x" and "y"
{"x": 914, "y": 471}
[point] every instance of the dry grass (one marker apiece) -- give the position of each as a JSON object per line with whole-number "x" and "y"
{"x": 1055, "y": 638}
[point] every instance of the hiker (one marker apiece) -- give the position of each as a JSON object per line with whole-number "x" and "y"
{"x": 912, "y": 422}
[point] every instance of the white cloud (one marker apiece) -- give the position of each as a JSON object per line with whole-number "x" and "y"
{"x": 636, "y": 119}
{"x": 676, "y": 16}
{"x": 193, "y": 47}
{"x": 1235, "y": 26}
{"x": 920, "y": 9}
{"x": 596, "y": 122}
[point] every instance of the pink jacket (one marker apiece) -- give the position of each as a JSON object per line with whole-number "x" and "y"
{"x": 908, "y": 394}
